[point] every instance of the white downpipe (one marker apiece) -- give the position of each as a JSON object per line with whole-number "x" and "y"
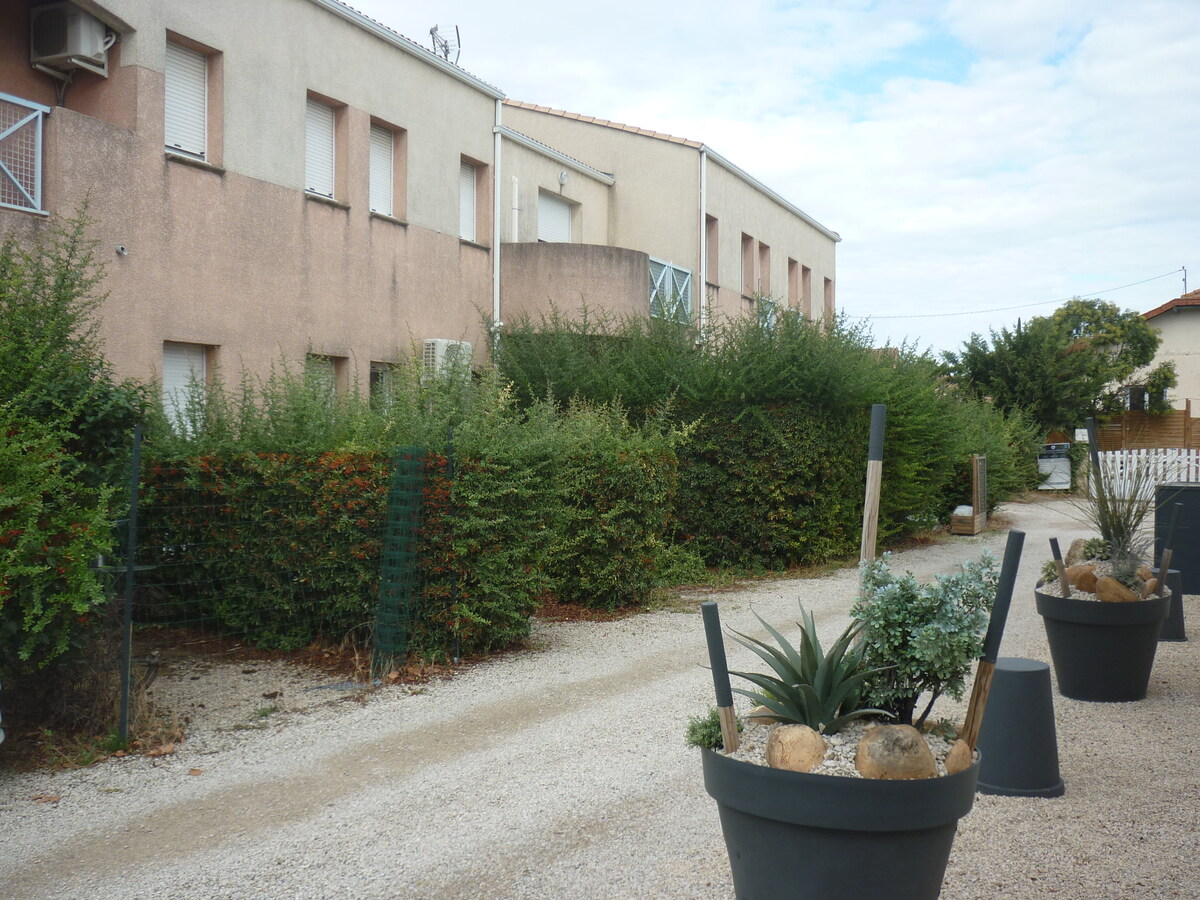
{"x": 702, "y": 269}
{"x": 497, "y": 196}
{"x": 515, "y": 233}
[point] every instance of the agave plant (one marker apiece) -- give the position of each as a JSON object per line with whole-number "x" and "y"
{"x": 814, "y": 688}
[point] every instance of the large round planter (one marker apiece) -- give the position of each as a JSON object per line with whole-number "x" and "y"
{"x": 794, "y": 835}
{"x": 1102, "y": 651}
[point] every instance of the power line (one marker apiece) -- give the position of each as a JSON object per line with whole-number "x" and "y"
{"x": 980, "y": 312}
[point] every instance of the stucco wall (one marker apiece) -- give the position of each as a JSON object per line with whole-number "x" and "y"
{"x": 239, "y": 257}
{"x": 535, "y": 277}
{"x": 1180, "y": 331}
{"x": 656, "y": 208}
{"x": 537, "y": 173}
{"x": 739, "y": 209}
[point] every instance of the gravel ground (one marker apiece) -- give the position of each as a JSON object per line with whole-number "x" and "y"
{"x": 562, "y": 772}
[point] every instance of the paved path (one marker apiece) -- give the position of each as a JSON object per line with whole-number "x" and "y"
{"x": 563, "y": 773}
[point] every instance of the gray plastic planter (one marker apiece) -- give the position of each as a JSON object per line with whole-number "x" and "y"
{"x": 1102, "y": 652}
{"x": 791, "y": 834}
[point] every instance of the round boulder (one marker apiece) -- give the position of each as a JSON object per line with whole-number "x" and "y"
{"x": 894, "y": 752}
{"x": 796, "y": 748}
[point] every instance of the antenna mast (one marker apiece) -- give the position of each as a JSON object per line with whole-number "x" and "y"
{"x": 444, "y": 46}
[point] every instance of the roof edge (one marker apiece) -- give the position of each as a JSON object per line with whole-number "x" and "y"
{"x": 546, "y": 150}
{"x": 409, "y": 46}
{"x": 774, "y": 195}
{"x": 1192, "y": 298}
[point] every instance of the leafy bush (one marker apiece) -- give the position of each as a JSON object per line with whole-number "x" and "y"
{"x": 926, "y": 636}
{"x": 52, "y": 526}
{"x": 814, "y": 688}
{"x": 616, "y": 488}
{"x": 704, "y": 732}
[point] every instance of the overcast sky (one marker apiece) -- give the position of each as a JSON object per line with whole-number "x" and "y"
{"x": 974, "y": 155}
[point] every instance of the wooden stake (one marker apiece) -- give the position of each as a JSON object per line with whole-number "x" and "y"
{"x": 991, "y": 641}
{"x": 1064, "y": 583}
{"x": 979, "y": 698}
{"x": 870, "y": 526}
{"x": 720, "y": 673}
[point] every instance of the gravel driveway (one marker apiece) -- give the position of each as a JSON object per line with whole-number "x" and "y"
{"x": 562, "y": 772}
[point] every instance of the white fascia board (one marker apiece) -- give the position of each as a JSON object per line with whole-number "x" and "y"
{"x": 758, "y": 185}
{"x": 409, "y": 46}
{"x": 557, "y": 155}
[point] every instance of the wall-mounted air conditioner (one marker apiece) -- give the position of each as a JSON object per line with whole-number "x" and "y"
{"x": 63, "y": 37}
{"x": 441, "y": 355}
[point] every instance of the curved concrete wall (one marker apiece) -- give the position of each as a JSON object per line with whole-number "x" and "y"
{"x": 535, "y": 277}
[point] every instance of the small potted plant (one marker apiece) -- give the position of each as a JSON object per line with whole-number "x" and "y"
{"x": 1103, "y": 630}
{"x": 816, "y": 790}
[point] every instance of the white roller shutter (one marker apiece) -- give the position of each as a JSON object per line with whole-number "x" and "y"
{"x": 318, "y": 149}
{"x": 381, "y": 170}
{"x": 466, "y": 201}
{"x": 186, "y": 119}
{"x": 554, "y": 219}
{"x": 182, "y": 364}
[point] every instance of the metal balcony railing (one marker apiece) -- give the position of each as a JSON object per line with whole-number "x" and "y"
{"x": 21, "y": 153}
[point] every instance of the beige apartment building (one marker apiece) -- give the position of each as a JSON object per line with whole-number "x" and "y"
{"x": 290, "y": 180}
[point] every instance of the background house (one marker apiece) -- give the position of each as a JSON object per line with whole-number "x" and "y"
{"x": 1178, "y": 324}
{"x": 290, "y": 179}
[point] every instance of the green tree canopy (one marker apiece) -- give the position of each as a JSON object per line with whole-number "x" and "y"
{"x": 1063, "y": 367}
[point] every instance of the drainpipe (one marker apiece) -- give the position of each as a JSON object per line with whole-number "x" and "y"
{"x": 497, "y": 194}
{"x": 702, "y": 268}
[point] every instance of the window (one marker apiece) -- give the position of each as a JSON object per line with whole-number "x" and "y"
{"x": 325, "y": 372}
{"x": 670, "y": 292}
{"x": 793, "y": 292}
{"x": 806, "y": 291}
{"x": 466, "y": 201}
{"x": 186, "y": 102}
{"x": 749, "y": 283}
{"x": 319, "y": 131}
{"x": 21, "y": 153}
{"x": 711, "y": 250}
{"x": 184, "y": 376}
{"x": 764, "y": 269}
{"x": 554, "y": 219}
{"x": 829, "y": 299}
{"x": 382, "y": 170}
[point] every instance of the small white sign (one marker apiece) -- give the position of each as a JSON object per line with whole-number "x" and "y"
{"x": 1081, "y": 436}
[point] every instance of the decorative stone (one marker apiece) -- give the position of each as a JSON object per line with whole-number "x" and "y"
{"x": 760, "y": 715}
{"x": 796, "y": 748}
{"x": 1075, "y": 553}
{"x": 1109, "y": 590}
{"x": 1083, "y": 577}
{"x": 1149, "y": 588}
{"x": 959, "y": 758}
{"x": 894, "y": 752}
{"x": 1144, "y": 572}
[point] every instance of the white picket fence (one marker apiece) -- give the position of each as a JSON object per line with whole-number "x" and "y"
{"x": 1130, "y": 472}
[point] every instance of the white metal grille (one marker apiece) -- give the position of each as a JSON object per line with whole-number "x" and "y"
{"x": 186, "y": 113}
{"x": 670, "y": 292}
{"x": 466, "y": 201}
{"x": 21, "y": 153}
{"x": 554, "y": 219}
{"x": 382, "y": 148}
{"x": 318, "y": 149}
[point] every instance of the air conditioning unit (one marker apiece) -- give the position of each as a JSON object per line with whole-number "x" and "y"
{"x": 441, "y": 355}
{"x": 62, "y": 36}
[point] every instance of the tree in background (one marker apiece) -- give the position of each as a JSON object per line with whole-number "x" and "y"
{"x": 1061, "y": 368}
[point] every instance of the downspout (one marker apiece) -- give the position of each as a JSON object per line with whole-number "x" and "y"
{"x": 497, "y": 194}
{"x": 702, "y": 269}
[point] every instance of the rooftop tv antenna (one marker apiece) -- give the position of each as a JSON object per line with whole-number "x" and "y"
{"x": 444, "y": 46}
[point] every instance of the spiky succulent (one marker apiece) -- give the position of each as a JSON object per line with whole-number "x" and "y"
{"x": 814, "y": 688}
